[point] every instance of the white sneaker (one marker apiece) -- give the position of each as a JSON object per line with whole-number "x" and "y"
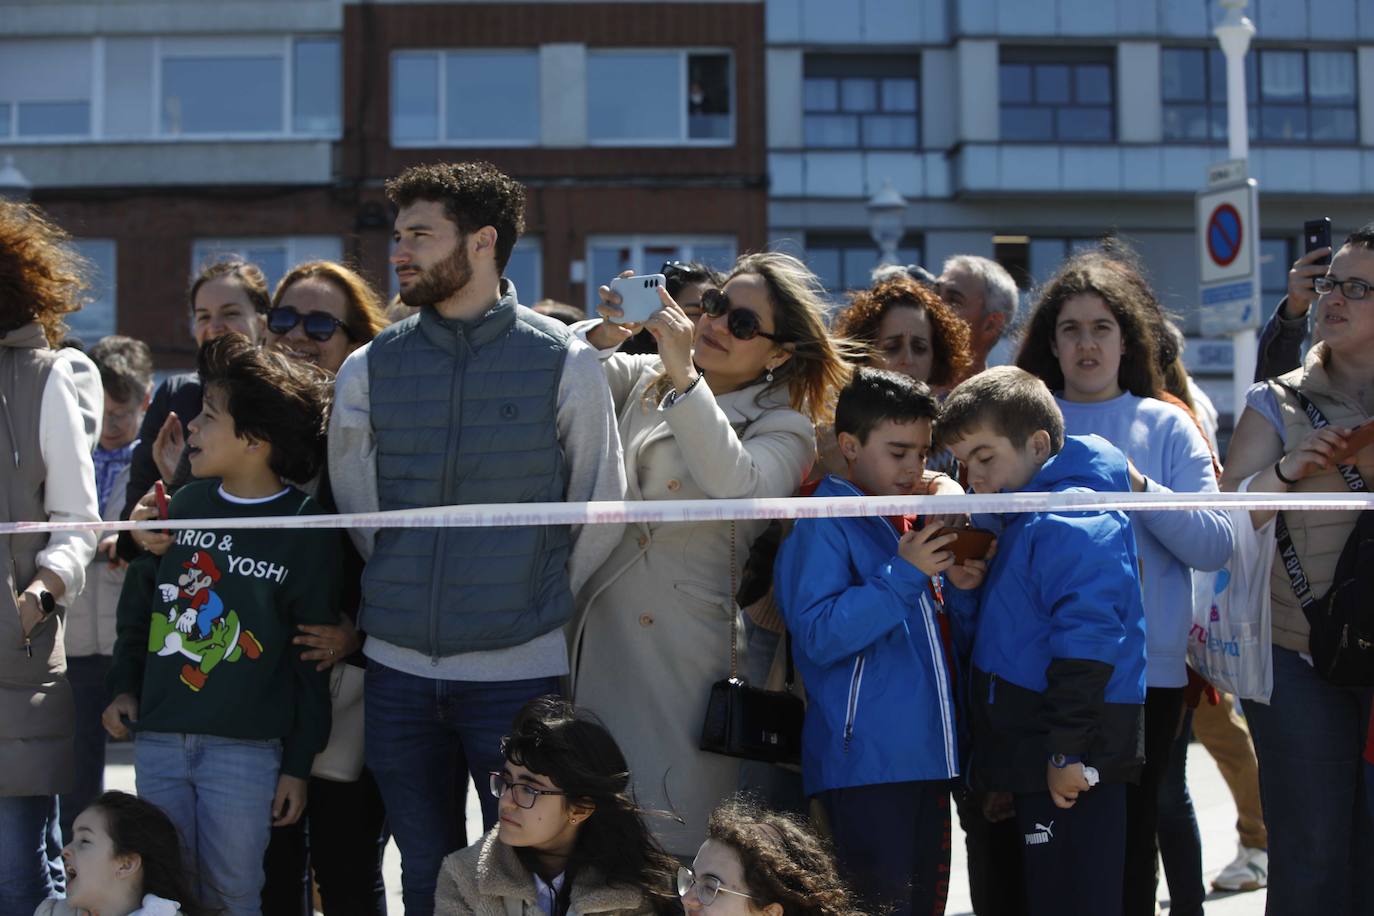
{"x": 1249, "y": 871}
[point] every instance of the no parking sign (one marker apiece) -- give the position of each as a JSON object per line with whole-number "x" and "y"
{"x": 1228, "y": 245}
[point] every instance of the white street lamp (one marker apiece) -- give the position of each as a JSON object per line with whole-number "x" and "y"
{"x": 1234, "y": 33}
{"x": 887, "y": 221}
{"x": 13, "y": 184}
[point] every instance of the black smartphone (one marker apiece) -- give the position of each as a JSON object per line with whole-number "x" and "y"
{"x": 1316, "y": 233}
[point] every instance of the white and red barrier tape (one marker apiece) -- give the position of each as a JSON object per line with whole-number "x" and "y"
{"x": 654, "y": 512}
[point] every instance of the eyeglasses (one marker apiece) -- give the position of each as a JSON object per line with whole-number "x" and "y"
{"x": 524, "y": 795}
{"x": 318, "y": 325}
{"x": 1350, "y": 289}
{"x": 742, "y": 322}
{"x": 707, "y": 886}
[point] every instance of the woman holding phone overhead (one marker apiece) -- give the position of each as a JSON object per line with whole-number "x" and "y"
{"x": 725, "y": 410}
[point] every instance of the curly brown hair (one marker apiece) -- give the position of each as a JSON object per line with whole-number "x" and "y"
{"x": 474, "y": 194}
{"x": 42, "y": 277}
{"x": 364, "y": 316}
{"x": 863, "y": 316}
{"x": 784, "y": 861}
{"x": 1117, "y": 282}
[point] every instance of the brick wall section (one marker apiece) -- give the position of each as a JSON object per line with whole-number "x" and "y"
{"x": 154, "y": 233}
{"x": 371, "y": 33}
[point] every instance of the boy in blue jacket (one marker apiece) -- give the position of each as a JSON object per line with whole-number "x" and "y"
{"x": 861, "y": 597}
{"x": 1058, "y": 673}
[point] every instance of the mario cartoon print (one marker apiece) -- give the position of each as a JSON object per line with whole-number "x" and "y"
{"x": 196, "y": 624}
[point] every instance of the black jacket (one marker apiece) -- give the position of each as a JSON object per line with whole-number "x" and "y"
{"x": 1280, "y": 345}
{"x": 178, "y": 394}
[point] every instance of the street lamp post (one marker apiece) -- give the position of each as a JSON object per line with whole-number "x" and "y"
{"x": 1234, "y": 33}
{"x": 887, "y": 221}
{"x": 13, "y": 183}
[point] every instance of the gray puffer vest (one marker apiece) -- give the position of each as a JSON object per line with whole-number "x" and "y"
{"x": 36, "y": 709}
{"x": 466, "y": 413}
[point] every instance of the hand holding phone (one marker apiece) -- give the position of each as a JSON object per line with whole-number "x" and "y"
{"x": 970, "y": 543}
{"x": 161, "y": 492}
{"x": 1316, "y": 233}
{"x": 1360, "y": 438}
{"x": 638, "y": 297}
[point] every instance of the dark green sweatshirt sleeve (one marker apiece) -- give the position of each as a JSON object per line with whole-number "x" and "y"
{"x": 312, "y": 597}
{"x": 131, "y": 627}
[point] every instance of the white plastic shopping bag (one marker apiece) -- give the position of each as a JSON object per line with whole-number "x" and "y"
{"x": 1230, "y": 643}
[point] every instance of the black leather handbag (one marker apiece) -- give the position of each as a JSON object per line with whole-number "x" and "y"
{"x": 750, "y": 722}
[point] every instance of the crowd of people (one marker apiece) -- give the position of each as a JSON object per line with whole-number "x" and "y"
{"x": 299, "y": 697}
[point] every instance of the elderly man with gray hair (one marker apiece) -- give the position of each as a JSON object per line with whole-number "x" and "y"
{"x": 983, "y": 294}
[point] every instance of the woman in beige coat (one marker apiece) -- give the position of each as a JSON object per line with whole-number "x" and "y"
{"x": 724, "y": 411}
{"x": 570, "y": 841}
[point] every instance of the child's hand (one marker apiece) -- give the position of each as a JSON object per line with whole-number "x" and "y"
{"x": 972, "y": 573}
{"x": 126, "y": 706}
{"x": 923, "y": 550}
{"x": 289, "y": 804}
{"x": 1066, "y": 783}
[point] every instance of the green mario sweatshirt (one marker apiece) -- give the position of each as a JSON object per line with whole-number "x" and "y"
{"x": 203, "y": 636}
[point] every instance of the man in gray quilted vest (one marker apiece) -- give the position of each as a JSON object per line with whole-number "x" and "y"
{"x": 475, "y": 399}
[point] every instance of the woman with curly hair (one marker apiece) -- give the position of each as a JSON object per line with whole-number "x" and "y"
{"x": 909, "y": 330}
{"x": 46, "y": 474}
{"x": 759, "y": 861}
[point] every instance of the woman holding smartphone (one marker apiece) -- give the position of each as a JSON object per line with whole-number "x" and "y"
{"x": 725, "y": 410}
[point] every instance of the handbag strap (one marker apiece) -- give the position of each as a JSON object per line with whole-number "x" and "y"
{"x": 1302, "y": 589}
{"x": 734, "y": 608}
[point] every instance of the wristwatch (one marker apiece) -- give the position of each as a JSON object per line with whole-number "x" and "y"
{"x": 46, "y": 602}
{"x": 1059, "y": 761}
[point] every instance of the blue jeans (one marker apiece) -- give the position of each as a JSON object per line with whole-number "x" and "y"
{"x": 30, "y": 853}
{"x": 1308, "y": 741}
{"x": 1180, "y": 842}
{"x": 423, "y": 737}
{"x": 218, "y": 792}
{"x": 86, "y": 674}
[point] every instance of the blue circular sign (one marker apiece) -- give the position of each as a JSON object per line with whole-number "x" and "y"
{"x": 1224, "y": 235}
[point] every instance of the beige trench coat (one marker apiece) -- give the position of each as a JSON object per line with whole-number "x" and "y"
{"x": 653, "y": 626}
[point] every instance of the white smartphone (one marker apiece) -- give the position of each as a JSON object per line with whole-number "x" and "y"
{"x": 638, "y": 296}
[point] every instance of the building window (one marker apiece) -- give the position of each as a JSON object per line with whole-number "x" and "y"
{"x": 862, "y": 102}
{"x": 45, "y": 89}
{"x": 465, "y": 98}
{"x": 608, "y": 256}
{"x": 274, "y": 255}
{"x": 249, "y": 86}
{"x": 659, "y": 97}
{"x": 1061, "y": 94}
{"x": 1293, "y": 96}
{"x": 98, "y": 317}
{"x": 845, "y": 262}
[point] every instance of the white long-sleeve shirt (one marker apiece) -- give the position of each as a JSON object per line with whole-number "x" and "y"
{"x": 69, "y": 487}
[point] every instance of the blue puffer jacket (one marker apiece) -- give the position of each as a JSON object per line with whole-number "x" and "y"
{"x": 1059, "y": 638}
{"x": 866, "y": 638}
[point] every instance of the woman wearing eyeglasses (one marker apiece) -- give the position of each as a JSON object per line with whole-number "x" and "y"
{"x": 762, "y": 862}
{"x": 725, "y": 410}
{"x": 1308, "y": 737}
{"x": 570, "y": 840}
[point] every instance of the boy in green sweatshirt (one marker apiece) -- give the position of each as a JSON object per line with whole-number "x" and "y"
{"x": 228, "y": 715}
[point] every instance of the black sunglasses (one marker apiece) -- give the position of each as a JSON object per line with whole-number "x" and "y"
{"x": 318, "y": 325}
{"x": 742, "y": 322}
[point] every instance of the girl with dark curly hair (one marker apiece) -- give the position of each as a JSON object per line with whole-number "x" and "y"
{"x": 46, "y": 474}
{"x": 1092, "y": 339}
{"x": 759, "y": 861}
